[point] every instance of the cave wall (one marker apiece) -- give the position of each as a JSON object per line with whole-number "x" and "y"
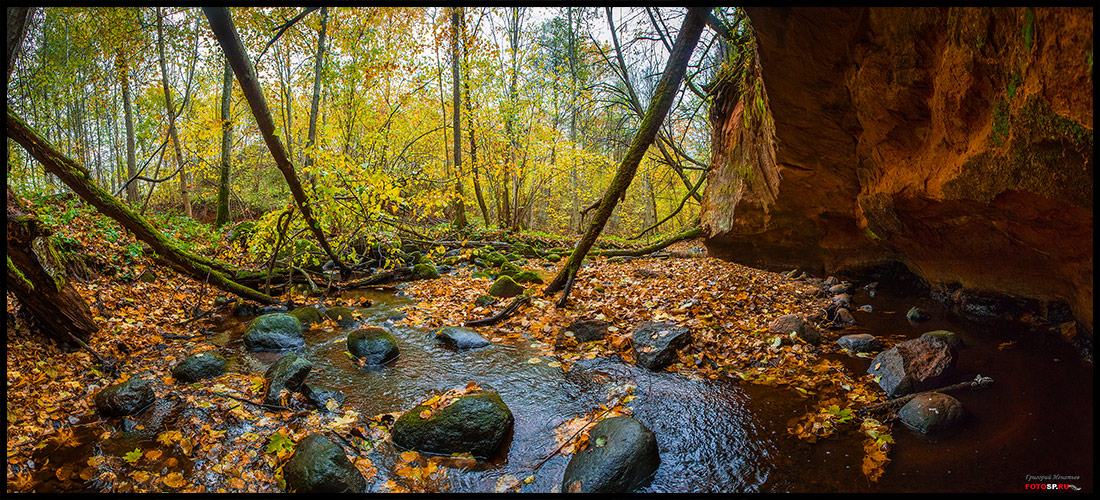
{"x": 957, "y": 141}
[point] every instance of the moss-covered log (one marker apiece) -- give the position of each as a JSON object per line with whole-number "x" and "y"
{"x": 39, "y": 283}
{"x": 694, "y": 232}
{"x": 80, "y": 181}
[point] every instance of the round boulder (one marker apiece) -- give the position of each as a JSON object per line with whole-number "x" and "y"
{"x": 307, "y": 315}
{"x": 460, "y": 338}
{"x": 374, "y": 344}
{"x": 274, "y": 332}
{"x": 474, "y": 423}
{"x": 916, "y": 315}
{"x": 863, "y": 342}
{"x": 788, "y": 323}
{"x": 621, "y": 456}
{"x": 199, "y": 366}
{"x": 343, "y": 316}
{"x": 505, "y": 287}
{"x": 948, "y": 337}
{"x": 931, "y": 413}
{"x": 424, "y": 271}
{"x": 320, "y": 466}
{"x": 126, "y": 398}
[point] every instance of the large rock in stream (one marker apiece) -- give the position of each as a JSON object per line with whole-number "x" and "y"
{"x": 474, "y": 423}
{"x": 655, "y": 343}
{"x": 320, "y": 466}
{"x": 931, "y": 413}
{"x": 459, "y": 338}
{"x": 274, "y": 332}
{"x": 913, "y": 366}
{"x": 374, "y": 344}
{"x": 200, "y": 366}
{"x": 126, "y": 398}
{"x": 621, "y": 456}
{"x": 287, "y": 373}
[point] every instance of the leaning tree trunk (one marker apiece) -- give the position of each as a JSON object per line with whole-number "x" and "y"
{"x": 80, "y": 181}
{"x": 38, "y": 280}
{"x": 663, "y": 96}
{"x": 222, "y": 25}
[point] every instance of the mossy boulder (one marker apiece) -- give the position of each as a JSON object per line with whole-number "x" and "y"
{"x": 509, "y": 269}
{"x": 307, "y": 315}
{"x": 552, "y": 257}
{"x": 424, "y": 271}
{"x": 527, "y": 277}
{"x": 511, "y": 257}
{"x": 320, "y": 466}
{"x": 126, "y": 398}
{"x": 505, "y": 287}
{"x": 200, "y": 366}
{"x": 481, "y": 275}
{"x": 484, "y": 300}
{"x": 274, "y": 332}
{"x": 474, "y": 423}
{"x": 343, "y": 316}
{"x": 495, "y": 259}
{"x": 375, "y": 345}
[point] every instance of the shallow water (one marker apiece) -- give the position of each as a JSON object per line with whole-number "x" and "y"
{"x": 721, "y": 436}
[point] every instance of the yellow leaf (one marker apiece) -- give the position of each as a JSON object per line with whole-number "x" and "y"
{"x": 425, "y": 414}
{"x": 153, "y": 454}
{"x": 409, "y": 456}
{"x": 173, "y": 480}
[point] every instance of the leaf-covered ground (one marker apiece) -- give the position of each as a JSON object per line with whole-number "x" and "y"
{"x": 221, "y": 444}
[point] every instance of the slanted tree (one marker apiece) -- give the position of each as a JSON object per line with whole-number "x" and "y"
{"x": 659, "y": 105}
{"x": 222, "y": 25}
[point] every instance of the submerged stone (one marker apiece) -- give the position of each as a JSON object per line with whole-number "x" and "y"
{"x": 373, "y": 344}
{"x": 931, "y": 413}
{"x": 460, "y": 338}
{"x": 274, "y": 332}
{"x": 200, "y": 366}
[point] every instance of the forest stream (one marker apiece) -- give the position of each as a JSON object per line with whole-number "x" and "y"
{"x": 714, "y": 436}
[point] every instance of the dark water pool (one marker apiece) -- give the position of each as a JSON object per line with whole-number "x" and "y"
{"x": 721, "y": 436}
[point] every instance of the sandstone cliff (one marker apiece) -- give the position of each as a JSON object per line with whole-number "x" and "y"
{"x": 957, "y": 141}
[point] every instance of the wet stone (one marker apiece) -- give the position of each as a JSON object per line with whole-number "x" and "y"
{"x": 126, "y": 398}
{"x": 913, "y": 366}
{"x": 287, "y": 373}
{"x": 794, "y": 323}
{"x": 373, "y": 344}
{"x": 307, "y": 315}
{"x": 460, "y": 338}
{"x": 588, "y": 330}
{"x": 655, "y": 343}
{"x": 343, "y": 316}
{"x": 320, "y": 466}
{"x": 842, "y": 300}
{"x": 200, "y": 366}
{"x": 622, "y": 456}
{"x": 917, "y": 315}
{"x": 931, "y": 413}
{"x": 843, "y": 318}
{"x": 320, "y": 396}
{"x": 840, "y": 288}
{"x": 862, "y": 342}
{"x": 948, "y": 337}
{"x": 474, "y": 423}
{"x": 274, "y": 332}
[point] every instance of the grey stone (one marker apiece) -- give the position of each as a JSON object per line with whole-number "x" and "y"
{"x": 622, "y": 456}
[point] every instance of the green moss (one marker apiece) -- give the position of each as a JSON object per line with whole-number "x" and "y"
{"x": 1013, "y": 84}
{"x": 1000, "y": 124}
{"x": 14, "y": 272}
{"x": 871, "y": 234}
{"x": 1028, "y": 30}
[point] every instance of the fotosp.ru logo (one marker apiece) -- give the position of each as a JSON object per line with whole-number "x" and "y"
{"x": 1051, "y": 486}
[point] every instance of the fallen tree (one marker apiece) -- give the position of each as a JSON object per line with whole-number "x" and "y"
{"x": 694, "y": 232}
{"x": 38, "y": 280}
{"x": 80, "y": 181}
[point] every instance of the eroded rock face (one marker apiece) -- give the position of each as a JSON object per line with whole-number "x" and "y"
{"x": 957, "y": 141}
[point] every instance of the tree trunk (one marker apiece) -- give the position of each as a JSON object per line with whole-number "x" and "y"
{"x": 694, "y": 232}
{"x": 315, "y": 103}
{"x": 226, "y": 33}
{"x": 38, "y": 281}
{"x": 131, "y": 149}
{"x": 227, "y": 147}
{"x": 663, "y": 97}
{"x": 185, "y": 195}
{"x": 79, "y": 180}
{"x": 460, "y": 205}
